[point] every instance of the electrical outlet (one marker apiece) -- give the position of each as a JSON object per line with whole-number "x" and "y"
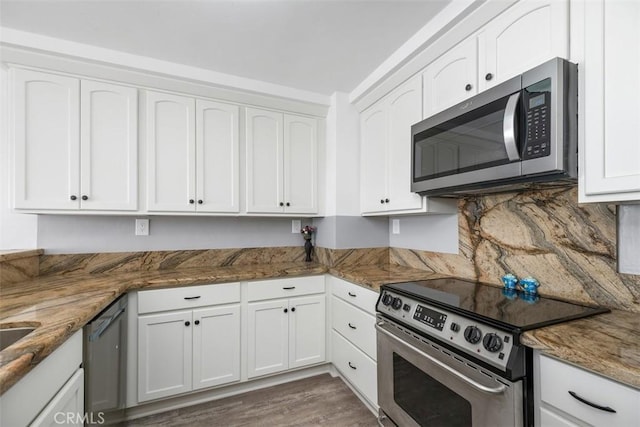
{"x": 396, "y": 226}
{"x": 296, "y": 226}
{"x": 142, "y": 227}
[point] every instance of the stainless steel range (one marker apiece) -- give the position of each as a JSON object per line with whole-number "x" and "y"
{"x": 449, "y": 352}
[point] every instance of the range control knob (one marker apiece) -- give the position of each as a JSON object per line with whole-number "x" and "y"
{"x": 492, "y": 342}
{"x": 397, "y": 303}
{"x": 387, "y": 299}
{"x": 454, "y": 327}
{"x": 472, "y": 334}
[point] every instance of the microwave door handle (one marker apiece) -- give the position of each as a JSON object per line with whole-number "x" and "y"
{"x": 509, "y": 127}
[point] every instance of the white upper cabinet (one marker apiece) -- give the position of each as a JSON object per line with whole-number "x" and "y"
{"x": 75, "y": 143}
{"x": 192, "y": 155}
{"x": 386, "y": 152}
{"x": 451, "y": 78}
{"x": 524, "y": 36}
{"x": 47, "y": 140}
{"x": 171, "y": 149}
{"x": 607, "y": 36}
{"x": 108, "y": 146}
{"x": 281, "y": 164}
{"x": 217, "y": 155}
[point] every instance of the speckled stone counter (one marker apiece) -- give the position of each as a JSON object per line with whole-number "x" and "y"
{"x": 374, "y": 276}
{"x": 607, "y": 344}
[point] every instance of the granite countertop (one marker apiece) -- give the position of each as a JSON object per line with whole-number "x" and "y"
{"x": 59, "y": 305}
{"x": 607, "y": 344}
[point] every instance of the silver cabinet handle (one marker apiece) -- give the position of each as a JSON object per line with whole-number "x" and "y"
{"x": 447, "y": 368}
{"x": 509, "y": 127}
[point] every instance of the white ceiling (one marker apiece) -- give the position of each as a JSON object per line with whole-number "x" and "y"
{"x": 320, "y": 46}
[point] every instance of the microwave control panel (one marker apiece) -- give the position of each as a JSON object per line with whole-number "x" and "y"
{"x": 538, "y": 125}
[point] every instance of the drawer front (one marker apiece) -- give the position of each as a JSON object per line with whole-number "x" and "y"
{"x": 285, "y": 288}
{"x": 357, "y": 295}
{"x": 187, "y": 297}
{"x": 355, "y": 325}
{"x": 548, "y": 418}
{"x": 356, "y": 367}
{"x": 557, "y": 379}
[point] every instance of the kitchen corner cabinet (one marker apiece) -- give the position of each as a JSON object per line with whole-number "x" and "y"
{"x": 193, "y": 346}
{"x": 281, "y": 163}
{"x": 75, "y": 143}
{"x": 451, "y": 78}
{"x": 609, "y": 89}
{"x": 385, "y": 130}
{"x": 525, "y": 35}
{"x": 288, "y": 331}
{"x": 569, "y": 396}
{"x": 192, "y": 154}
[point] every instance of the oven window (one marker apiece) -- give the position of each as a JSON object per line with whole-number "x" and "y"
{"x": 427, "y": 401}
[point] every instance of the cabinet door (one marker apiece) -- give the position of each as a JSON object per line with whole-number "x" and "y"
{"x": 306, "y": 331}
{"x": 404, "y": 110}
{"x": 47, "y": 140}
{"x": 524, "y": 36}
{"x": 268, "y": 337}
{"x": 66, "y": 407}
{"x": 264, "y": 136}
{"x": 373, "y": 134}
{"x": 300, "y": 164}
{"x": 164, "y": 355}
{"x": 217, "y": 156}
{"x": 610, "y": 102}
{"x": 451, "y": 78}
{"x": 216, "y": 346}
{"x": 109, "y": 146}
{"x": 171, "y": 155}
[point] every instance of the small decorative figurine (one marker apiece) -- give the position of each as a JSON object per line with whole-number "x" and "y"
{"x": 510, "y": 293}
{"x": 307, "y": 232}
{"x": 529, "y": 285}
{"x": 510, "y": 281}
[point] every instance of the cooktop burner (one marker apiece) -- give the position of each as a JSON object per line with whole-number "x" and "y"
{"x": 501, "y": 307}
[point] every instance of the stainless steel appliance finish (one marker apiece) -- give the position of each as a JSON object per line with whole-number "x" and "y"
{"x": 449, "y": 352}
{"x": 105, "y": 361}
{"x": 520, "y": 132}
{"x": 628, "y": 232}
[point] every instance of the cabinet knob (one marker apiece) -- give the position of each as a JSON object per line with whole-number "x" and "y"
{"x": 382, "y": 201}
{"x": 293, "y": 309}
{"x": 488, "y": 77}
{"x": 187, "y": 323}
{"x": 73, "y": 198}
{"x": 281, "y": 204}
{"x": 288, "y": 204}
{"x": 286, "y": 310}
{"x": 85, "y": 197}
{"x": 197, "y": 322}
{"x": 386, "y": 200}
{"x": 191, "y": 201}
{"x": 468, "y": 87}
{"x": 200, "y": 202}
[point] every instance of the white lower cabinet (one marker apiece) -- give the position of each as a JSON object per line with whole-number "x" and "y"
{"x": 286, "y": 333}
{"x": 184, "y": 350}
{"x": 51, "y": 394}
{"x": 353, "y": 336}
{"x": 570, "y": 396}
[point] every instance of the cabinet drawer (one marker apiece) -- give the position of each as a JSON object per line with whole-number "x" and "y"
{"x": 557, "y": 379}
{"x": 355, "y": 325}
{"x": 285, "y": 288}
{"x": 357, "y": 295}
{"x": 356, "y": 367}
{"x": 187, "y": 297}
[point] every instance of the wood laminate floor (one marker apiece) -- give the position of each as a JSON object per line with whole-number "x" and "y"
{"x": 320, "y": 400}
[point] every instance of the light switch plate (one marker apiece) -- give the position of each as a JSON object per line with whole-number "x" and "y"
{"x": 296, "y": 225}
{"x": 396, "y": 226}
{"x": 142, "y": 227}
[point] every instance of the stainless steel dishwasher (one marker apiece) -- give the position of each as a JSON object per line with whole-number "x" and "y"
{"x": 105, "y": 362}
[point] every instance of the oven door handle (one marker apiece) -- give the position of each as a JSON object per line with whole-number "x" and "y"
{"x": 509, "y": 127}
{"x": 447, "y": 368}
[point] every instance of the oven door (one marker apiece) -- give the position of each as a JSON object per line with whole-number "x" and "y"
{"x": 423, "y": 384}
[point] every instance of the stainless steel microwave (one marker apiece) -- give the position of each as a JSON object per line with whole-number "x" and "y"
{"x": 521, "y": 133}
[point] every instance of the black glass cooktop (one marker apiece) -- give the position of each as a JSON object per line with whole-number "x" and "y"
{"x": 510, "y": 309}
